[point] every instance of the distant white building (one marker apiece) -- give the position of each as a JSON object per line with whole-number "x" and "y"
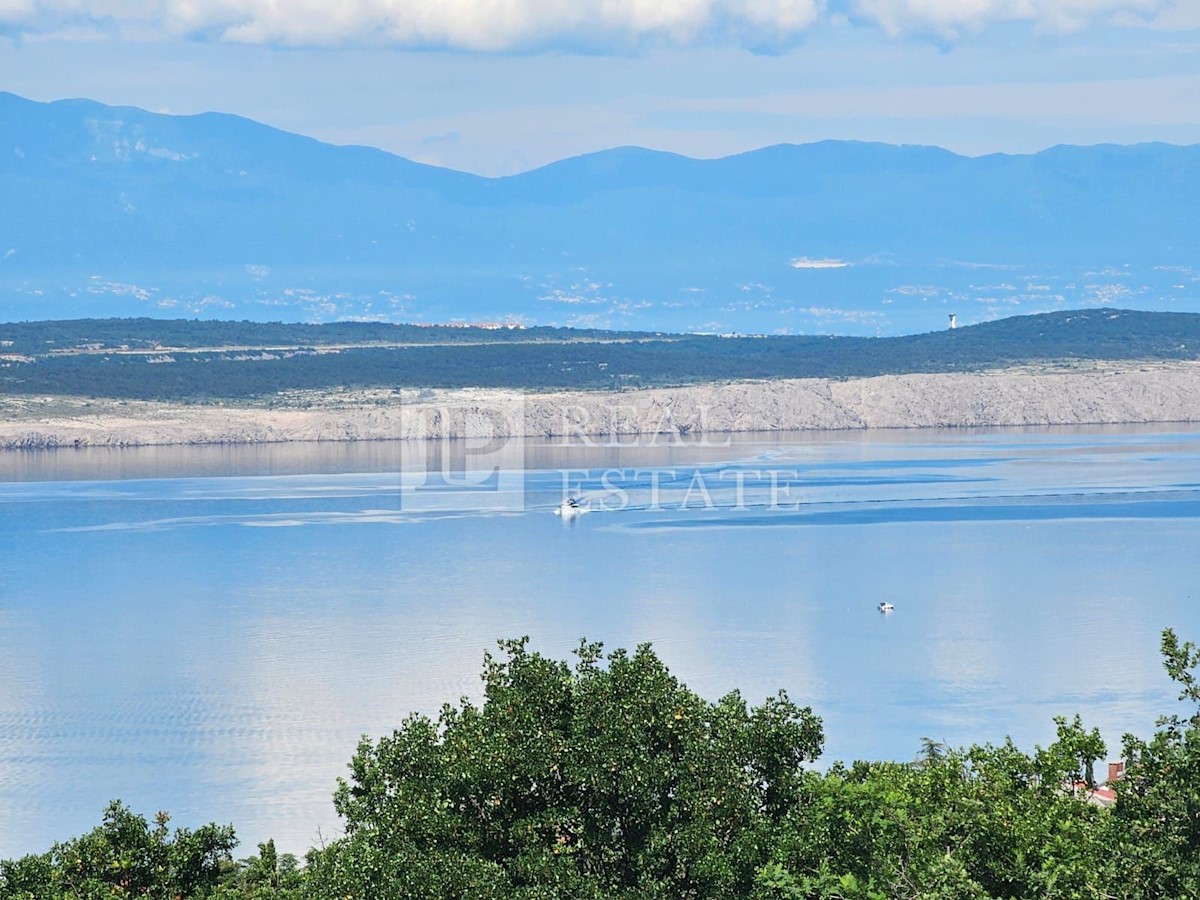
{"x": 953, "y": 321}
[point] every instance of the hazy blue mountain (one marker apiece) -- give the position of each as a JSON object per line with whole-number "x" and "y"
{"x": 115, "y": 210}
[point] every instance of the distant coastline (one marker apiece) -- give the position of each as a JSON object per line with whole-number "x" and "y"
{"x": 1079, "y": 394}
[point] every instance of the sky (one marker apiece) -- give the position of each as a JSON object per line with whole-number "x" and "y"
{"x": 501, "y": 86}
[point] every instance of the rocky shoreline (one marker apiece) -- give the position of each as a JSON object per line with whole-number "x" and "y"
{"x": 1079, "y": 394}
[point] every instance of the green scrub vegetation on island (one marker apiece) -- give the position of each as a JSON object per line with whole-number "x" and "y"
{"x": 188, "y": 361}
{"x": 607, "y": 779}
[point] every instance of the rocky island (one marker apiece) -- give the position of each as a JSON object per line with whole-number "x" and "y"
{"x": 1079, "y": 394}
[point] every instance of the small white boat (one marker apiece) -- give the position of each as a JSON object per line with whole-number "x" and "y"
{"x": 570, "y": 508}
{"x": 886, "y": 607}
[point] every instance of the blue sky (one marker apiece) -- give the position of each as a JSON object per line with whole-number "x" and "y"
{"x": 498, "y": 86}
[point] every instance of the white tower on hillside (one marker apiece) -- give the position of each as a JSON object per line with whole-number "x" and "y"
{"x": 953, "y": 321}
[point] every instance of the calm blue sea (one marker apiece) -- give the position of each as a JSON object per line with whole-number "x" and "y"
{"x": 209, "y": 631}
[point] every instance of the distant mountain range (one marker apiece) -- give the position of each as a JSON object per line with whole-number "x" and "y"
{"x": 119, "y": 211}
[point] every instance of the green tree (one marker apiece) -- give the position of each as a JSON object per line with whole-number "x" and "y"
{"x": 988, "y": 821}
{"x": 267, "y": 876}
{"x": 606, "y": 780}
{"x": 1157, "y": 813}
{"x": 610, "y": 780}
{"x": 125, "y": 856}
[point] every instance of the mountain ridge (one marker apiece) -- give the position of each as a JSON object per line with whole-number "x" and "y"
{"x": 126, "y": 212}
{"x": 783, "y": 146}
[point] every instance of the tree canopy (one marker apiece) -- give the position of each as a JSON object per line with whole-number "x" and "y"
{"x": 605, "y": 778}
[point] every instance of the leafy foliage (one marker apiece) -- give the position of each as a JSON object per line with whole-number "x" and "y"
{"x": 1157, "y": 813}
{"x": 608, "y": 779}
{"x": 126, "y": 856}
{"x": 267, "y": 876}
{"x": 983, "y": 822}
{"x": 602, "y": 781}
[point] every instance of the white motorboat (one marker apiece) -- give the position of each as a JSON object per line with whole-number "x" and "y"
{"x": 570, "y": 508}
{"x": 886, "y": 607}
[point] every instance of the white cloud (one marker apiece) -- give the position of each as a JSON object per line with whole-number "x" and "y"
{"x": 484, "y": 25}
{"x": 593, "y": 25}
{"x": 15, "y": 10}
{"x": 950, "y": 18}
{"x": 495, "y": 25}
{"x": 805, "y": 263}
